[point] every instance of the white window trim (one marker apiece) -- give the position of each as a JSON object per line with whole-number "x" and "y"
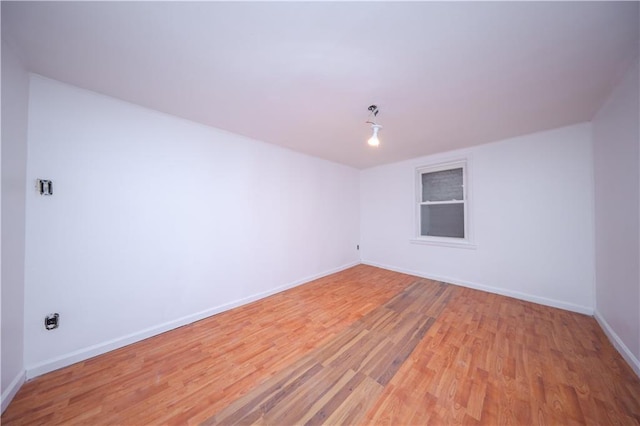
{"x": 466, "y": 242}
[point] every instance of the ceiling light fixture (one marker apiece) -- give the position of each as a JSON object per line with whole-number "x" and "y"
{"x": 373, "y": 112}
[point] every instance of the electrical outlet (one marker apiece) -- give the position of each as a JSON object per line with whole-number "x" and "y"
{"x": 45, "y": 187}
{"x": 52, "y": 321}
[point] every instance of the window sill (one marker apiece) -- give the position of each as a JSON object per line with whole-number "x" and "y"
{"x": 444, "y": 242}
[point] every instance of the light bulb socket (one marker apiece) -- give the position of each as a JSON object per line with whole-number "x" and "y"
{"x": 373, "y": 140}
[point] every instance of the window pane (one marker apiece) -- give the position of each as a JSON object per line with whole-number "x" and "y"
{"x": 442, "y": 220}
{"x": 442, "y": 186}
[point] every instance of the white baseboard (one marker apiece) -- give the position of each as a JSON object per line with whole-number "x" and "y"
{"x": 101, "y": 348}
{"x": 496, "y": 290}
{"x": 618, "y": 343}
{"x": 13, "y": 388}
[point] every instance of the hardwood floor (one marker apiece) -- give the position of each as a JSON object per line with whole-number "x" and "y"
{"x": 364, "y": 346}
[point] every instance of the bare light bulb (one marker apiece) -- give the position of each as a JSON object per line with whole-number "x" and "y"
{"x": 373, "y": 140}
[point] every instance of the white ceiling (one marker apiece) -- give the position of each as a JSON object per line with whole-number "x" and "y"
{"x": 445, "y": 75}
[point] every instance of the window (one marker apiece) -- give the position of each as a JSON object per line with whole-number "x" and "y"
{"x": 442, "y": 204}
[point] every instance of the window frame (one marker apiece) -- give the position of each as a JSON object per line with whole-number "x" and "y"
{"x": 467, "y": 241}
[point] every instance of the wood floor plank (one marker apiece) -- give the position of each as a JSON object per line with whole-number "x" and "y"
{"x": 399, "y": 333}
{"x": 298, "y": 404}
{"x": 364, "y": 346}
{"x": 354, "y": 402}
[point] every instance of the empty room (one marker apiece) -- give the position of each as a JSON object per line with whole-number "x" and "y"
{"x": 301, "y": 213}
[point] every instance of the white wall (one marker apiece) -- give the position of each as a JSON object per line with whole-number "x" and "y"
{"x": 617, "y": 216}
{"x": 156, "y": 221}
{"x": 15, "y": 88}
{"x": 532, "y": 214}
